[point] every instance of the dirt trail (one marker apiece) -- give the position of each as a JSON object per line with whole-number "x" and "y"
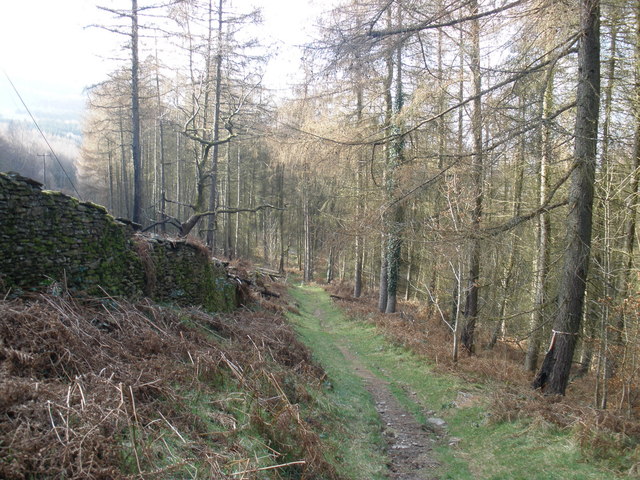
{"x": 409, "y": 444}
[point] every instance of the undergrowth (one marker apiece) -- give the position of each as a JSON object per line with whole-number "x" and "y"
{"x": 106, "y": 389}
{"x": 507, "y": 430}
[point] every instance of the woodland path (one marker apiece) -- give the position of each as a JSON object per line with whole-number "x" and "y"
{"x": 409, "y": 443}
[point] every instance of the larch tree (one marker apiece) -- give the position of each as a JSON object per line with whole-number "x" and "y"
{"x": 467, "y": 336}
{"x": 132, "y": 34}
{"x": 553, "y": 375}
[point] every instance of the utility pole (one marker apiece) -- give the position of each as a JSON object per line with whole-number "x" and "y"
{"x": 44, "y": 166}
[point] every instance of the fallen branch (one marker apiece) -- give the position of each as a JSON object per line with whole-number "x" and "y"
{"x": 267, "y": 293}
{"x": 346, "y": 299}
{"x": 184, "y": 228}
{"x": 272, "y": 467}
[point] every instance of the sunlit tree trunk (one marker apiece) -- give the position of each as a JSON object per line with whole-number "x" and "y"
{"x": 163, "y": 175}
{"x": 213, "y": 192}
{"x": 505, "y": 291}
{"x": 236, "y": 240}
{"x": 384, "y": 240}
{"x": 631, "y": 198}
{"x": 308, "y": 235}
{"x": 124, "y": 168}
{"x": 110, "y": 174}
{"x": 605, "y": 198}
{"x": 281, "y": 206}
{"x": 228, "y": 237}
{"x": 383, "y": 293}
{"x": 360, "y": 173}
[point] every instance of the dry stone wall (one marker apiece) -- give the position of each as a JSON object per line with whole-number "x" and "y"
{"x": 47, "y": 237}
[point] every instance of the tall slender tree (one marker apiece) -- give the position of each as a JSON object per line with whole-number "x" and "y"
{"x": 136, "y": 151}
{"x": 553, "y": 375}
{"x": 471, "y": 305}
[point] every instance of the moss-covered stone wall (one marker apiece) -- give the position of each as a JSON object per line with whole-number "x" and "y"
{"x": 48, "y": 237}
{"x": 181, "y": 272}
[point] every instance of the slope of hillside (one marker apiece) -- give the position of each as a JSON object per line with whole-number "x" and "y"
{"x": 99, "y": 388}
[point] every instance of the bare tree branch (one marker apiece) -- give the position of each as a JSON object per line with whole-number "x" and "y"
{"x": 428, "y": 24}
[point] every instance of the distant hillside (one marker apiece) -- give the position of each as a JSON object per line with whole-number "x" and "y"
{"x": 23, "y": 150}
{"x": 57, "y": 109}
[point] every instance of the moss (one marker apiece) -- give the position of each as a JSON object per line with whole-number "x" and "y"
{"x": 49, "y": 236}
{"x": 183, "y": 274}
{"x": 95, "y": 206}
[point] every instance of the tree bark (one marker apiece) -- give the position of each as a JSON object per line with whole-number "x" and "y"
{"x": 283, "y": 247}
{"x": 630, "y": 201}
{"x": 308, "y": 237}
{"x": 228, "y": 236}
{"x": 136, "y": 151}
{"x": 360, "y": 174}
{"x": 124, "y": 170}
{"x": 471, "y": 306}
{"x": 543, "y": 231}
{"x": 383, "y": 296}
{"x": 511, "y": 262}
{"x": 553, "y": 375}
{"x": 395, "y": 159}
{"x": 213, "y": 193}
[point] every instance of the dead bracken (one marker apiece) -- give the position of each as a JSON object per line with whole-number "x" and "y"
{"x": 104, "y": 389}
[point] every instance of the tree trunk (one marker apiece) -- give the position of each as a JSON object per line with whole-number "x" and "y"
{"x": 283, "y": 248}
{"x": 228, "y": 237}
{"x": 330, "y": 265}
{"x": 236, "y": 239}
{"x": 123, "y": 167}
{"x": 213, "y": 193}
{"x": 308, "y": 237}
{"x": 631, "y": 199}
{"x": 163, "y": 175}
{"x": 605, "y": 200}
{"x": 357, "y": 274}
{"x": 360, "y": 175}
{"x": 110, "y": 175}
{"x": 543, "y": 232}
{"x": 394, "y": 162}
{"x": 407, "y": 288}
{"x": 471, "y": 305}
{"x": 553, "y": 376}
{"x": 383, "y": 297}
{"x": 135, "y": 118}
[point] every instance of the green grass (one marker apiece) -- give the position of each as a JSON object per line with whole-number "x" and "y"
{"x": 353, "y": 428}
{"x": 488, "y": 450}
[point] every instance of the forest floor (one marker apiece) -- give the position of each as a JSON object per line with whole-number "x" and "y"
{"x": 103, "y": 388}
{"x": 450, "y": 423}
{"x": 94, "y": 388}
{"x": 407, "y": 441}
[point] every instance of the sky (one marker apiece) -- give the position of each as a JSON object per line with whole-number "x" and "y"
{"x": 51, "y": 56}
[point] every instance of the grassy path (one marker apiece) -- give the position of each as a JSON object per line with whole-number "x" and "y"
{"x": 470, "y": 446}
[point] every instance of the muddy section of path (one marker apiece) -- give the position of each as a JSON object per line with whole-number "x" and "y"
{"x": 409, "y": 444}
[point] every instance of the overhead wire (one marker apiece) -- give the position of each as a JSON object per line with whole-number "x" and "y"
{"x": 53, "y": 153}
